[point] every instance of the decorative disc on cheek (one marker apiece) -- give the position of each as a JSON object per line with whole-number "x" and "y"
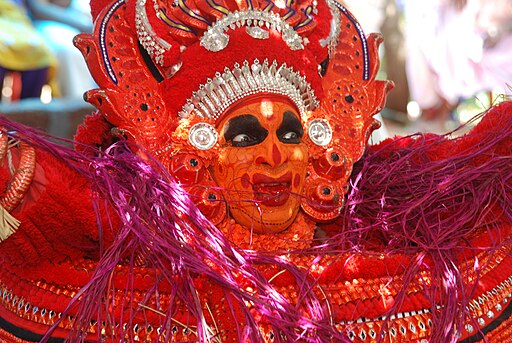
{"x": 203, "y": 136}
{"x": 320, "y": 132}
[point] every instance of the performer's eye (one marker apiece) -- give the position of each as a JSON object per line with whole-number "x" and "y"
{"x": 243, "y": 140}
{"x": 244, "y": 130}
{"x": 290, "y": 131}
{"x": 290, "y": 137}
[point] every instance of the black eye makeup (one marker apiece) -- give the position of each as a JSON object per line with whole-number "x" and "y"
{"x": 244, "y": 130}
{"x": 290, "y": 131}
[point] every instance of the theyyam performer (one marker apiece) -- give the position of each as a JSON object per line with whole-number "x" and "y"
{"x": 224, "y": 191}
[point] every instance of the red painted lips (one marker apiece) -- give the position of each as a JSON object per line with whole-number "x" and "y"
{"x": 271, "y": 191}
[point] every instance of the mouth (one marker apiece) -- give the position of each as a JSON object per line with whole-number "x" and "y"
{"x": 271, "y": 191}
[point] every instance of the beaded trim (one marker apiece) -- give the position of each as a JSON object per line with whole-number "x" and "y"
{"x": 219, "y": 93}
{"x": 24, "y": 309}
{"x": 103, "y": 39}
{"x": 405, "y": 329}
{"x": 215, "y": 38}
{"x": 483, "y": 309}
{"x": 488, "y": 305}
{"x": 332, "y": 41}
{"x": 404, "y": 326}
{"x": 393, "y": 317}
{"x": 415, "y": 323}
{"x": 154, "y": 45}
{"x": 362, "y": 39}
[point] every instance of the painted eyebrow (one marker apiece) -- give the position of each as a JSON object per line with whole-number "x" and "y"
{"x": 247, "y": 124}
{"x": 290, "y": 123}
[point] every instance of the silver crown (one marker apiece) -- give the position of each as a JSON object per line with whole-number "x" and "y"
{"x": 255, "y": 21}
{"x": 219, "y": 93}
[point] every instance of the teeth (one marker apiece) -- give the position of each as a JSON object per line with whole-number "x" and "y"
{"x": 273, "y": 184}
{"x": 270, "y": 185}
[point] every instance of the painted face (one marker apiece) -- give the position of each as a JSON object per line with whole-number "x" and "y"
{"x": 262, "y": 164}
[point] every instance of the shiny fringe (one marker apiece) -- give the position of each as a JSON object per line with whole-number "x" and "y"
{"x": 424, "y": 196}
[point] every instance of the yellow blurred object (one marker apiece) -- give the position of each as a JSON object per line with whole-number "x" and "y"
{"x": 22, "y": 48}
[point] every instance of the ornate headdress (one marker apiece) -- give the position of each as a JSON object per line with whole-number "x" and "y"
{"x": 419, "y": 253}
{"x": 168, "y": 71}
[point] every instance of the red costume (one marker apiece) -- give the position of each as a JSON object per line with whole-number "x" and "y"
{"x": 213, "y": 196}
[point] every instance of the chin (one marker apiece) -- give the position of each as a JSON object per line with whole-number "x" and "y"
{"x": 272, "y": 220}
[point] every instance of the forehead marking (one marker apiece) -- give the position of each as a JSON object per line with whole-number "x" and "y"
{"x": 267, "y": 109}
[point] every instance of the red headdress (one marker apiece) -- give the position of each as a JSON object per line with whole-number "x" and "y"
{"x": 418, "y": 254}
{"x": 168, "y": 71}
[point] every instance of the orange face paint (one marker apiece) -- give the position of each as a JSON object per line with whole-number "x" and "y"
{"x": 262, "y": 163}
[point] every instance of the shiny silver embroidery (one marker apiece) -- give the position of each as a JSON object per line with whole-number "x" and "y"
{"x": 214, "y": 97}
{"x": 154, "y": 45}
{"x": 256, "y": 21}
{"x": 332, "y": 40}
{"x": 203, "y": 136}
{"x": 320, "y": 132}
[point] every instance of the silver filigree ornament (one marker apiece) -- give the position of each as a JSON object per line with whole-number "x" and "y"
{"x": 257, "y": 32}
{"x": 214, "y": 97}
{"x": 203, "y": 136}
{"x": 332, "y": 40}
{"x": 320, "y": 132}
{"x": 257, "y": 23}
{"x": 154, "y": 45}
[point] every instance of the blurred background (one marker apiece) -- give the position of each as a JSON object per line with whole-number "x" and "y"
{"x": 42, "y": 75}
{"x": 449, "y": 60}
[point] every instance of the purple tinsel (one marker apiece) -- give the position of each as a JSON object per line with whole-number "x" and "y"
{"x": 419, "y": 203}
{"x": 158, "y": 223}
{"x": 428, "y": 195}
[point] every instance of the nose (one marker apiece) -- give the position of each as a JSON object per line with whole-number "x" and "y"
{"x": 271, "y": 153}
